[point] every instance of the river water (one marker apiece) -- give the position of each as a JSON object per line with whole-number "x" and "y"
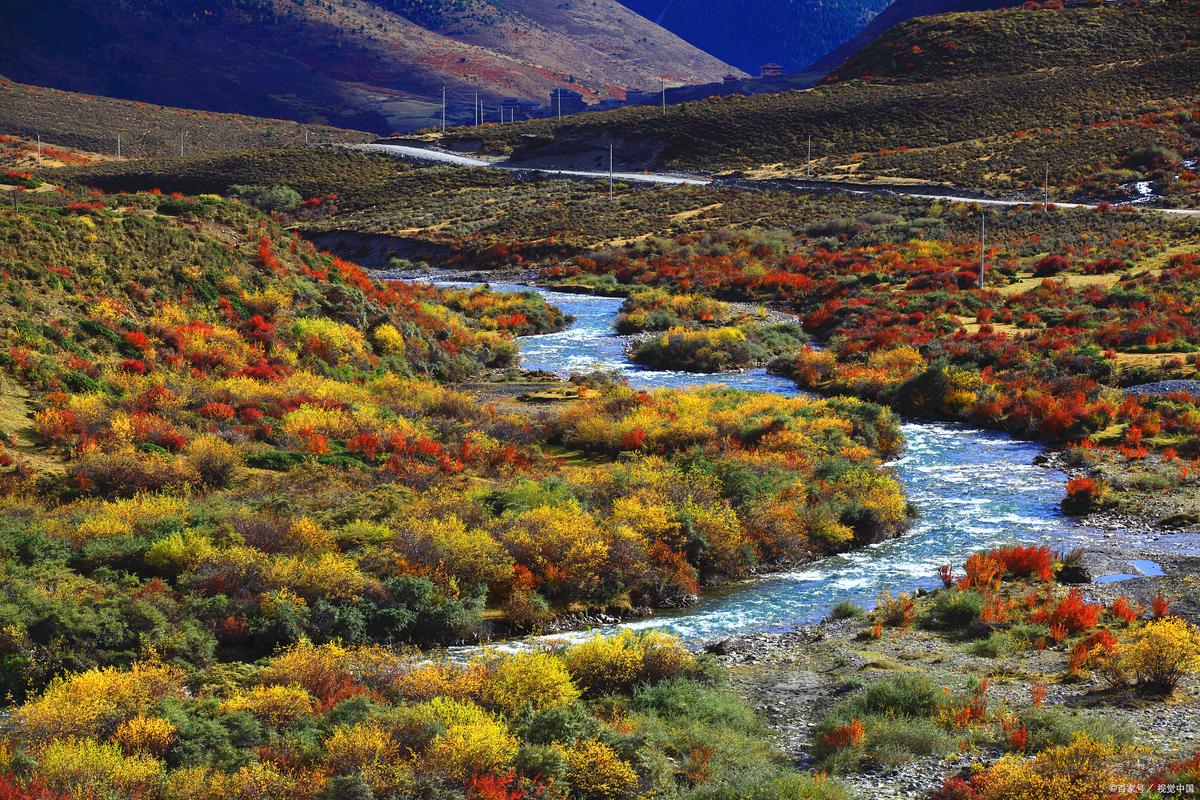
{"x": 973, "y": 489}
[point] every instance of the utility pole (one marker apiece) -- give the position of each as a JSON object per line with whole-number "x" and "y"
{"x": 118, "y": 145}
{"x": 1046, "y": 189}
{"x": 558, "y": 95}
{"x": 477, "y": 109}
{"x": 808, "y": 164}
{"x": 39, "y": 138}
{"x": 181, "y": 144}
{"x": 982, "y": 243}
{"x": 610, "y": 172}
{"x": 664, "y": 94}
{"x": 443, "y": 109}
{"x": 306, "y": 135}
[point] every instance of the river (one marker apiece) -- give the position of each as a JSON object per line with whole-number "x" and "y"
{"x": 973, "y": 489}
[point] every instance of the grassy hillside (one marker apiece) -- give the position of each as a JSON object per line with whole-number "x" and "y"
{"x": 1105, "y": 83}
{"x": 92, "y": 123}
{"x": 377, "y": 66}
{"x": 181, "y": 364}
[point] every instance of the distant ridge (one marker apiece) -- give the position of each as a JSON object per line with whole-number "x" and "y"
{"x": 897, "y": 12}
{"x": 377, "y": 65}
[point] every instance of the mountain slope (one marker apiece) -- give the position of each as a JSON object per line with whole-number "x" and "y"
{"x": 93, "y": 123}
{"x": 377, "y": 65}
{"x": 893, "y": 15}
{"x": 750, "y": 33}
{"x": 984, "y": 99}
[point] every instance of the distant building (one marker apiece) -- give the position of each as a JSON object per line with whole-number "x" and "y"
{"x": 571, "y": 102}
{"x": 770, "y": 71}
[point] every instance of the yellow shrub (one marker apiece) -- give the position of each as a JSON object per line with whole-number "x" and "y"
{"x": 126, "y": 517}
{"x": 729, "y": 551}
{"x": 472, "y": 741}
{"x": 310, "y": 537}
{"x": 214, "y": 459}
{"x": 145, "y": 735}
{"x": 605, "y": 664}
{"x": 356, "y": 747}
{"x": 275, "y": 705}
{"x": 258, "y": 780}
{"x": 328, "y": 668}
{"x": 471, "y": 555}
{"x": 82, "y": 705}
{"x": 390, "y": 341}
{"x": 441, "y": 680}
{"x": 329, "y": 576}
{"x": 597, "y": 773}
{"x": 268, "y": 301}
{"x": 345, "y": 344}
{"x": 1162, "y": 652}
{"x": 563, "y": 547}
{"x": 535, "y": 680}
{"x": 1082, "y": 770}
{"x": 619, "y": 662}
{"x": 179, "y": 552}
{"x": 85, "y": 768}
{"x": 309, "y": 419}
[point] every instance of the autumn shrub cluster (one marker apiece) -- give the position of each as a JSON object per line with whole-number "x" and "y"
{"x": 594, "y": 722}
{"x": 257, "y": 445}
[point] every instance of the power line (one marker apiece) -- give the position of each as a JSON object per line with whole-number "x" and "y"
{"x": 610, "y": 172}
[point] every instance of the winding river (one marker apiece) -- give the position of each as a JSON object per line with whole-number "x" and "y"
{"x": 973, "y": 489}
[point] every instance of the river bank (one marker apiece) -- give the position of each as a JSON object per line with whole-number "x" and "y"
{"x": 973, "y": 489}
{"x": 793, "y": 678}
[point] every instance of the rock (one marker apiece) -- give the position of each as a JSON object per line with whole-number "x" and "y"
{"x": 1074, "y": 574}
{"x": 722, "y": 648}
{"x": 1177, "y": 521}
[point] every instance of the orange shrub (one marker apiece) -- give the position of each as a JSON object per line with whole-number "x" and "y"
{"x": 984, "y": 573}
{"x": 845, "y": 736}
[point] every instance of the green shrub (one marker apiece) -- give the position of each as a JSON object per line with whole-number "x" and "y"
{"x": 1056, "y": 727}
{"x": 847, "y": 610}
{"x": 955, "y": 608}
{"x": 997, "y": 645}
{"x": 267, "y": 198}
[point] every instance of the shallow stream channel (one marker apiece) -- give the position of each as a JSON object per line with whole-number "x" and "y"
{"x": 973, "y": 489}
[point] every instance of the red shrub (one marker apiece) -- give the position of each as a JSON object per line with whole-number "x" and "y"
{"x": 1160, "y": 607}
{"x": 134, "y": 366}
{"x": 1030, "y": 561}
{"x": 1071, "y": 612}
{"x": 1122, "y": 610}
{"x": 216, "y": 411}
{"x": 137, "y": 340}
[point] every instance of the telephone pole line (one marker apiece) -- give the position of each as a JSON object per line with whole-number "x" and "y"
{"x": 1046, "y": 189}
{"x": 39, "y": 140}
{"x": 610, "y": 172}
{"x": 558, "y": 96}
{"x": 664, "y": 94}
{"x": 808, "y": 164}
{"x": 181, "y": 144}
{"x": 118, "y": 145}
{"x": 443, "y": 109}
